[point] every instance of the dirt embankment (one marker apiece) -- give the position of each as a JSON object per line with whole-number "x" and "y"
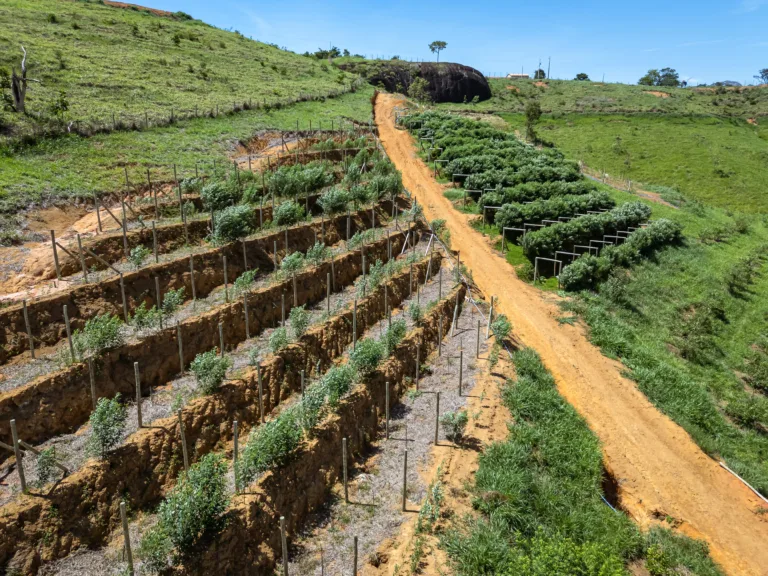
{"x": 659, "y": 468}
{"x": 143, "y": 468}
{"x": 59, "y": 403}
{"x": 46, "y": 315}
{"x": 250, "y": 543}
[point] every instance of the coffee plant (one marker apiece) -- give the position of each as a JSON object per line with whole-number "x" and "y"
{"x": 107, "y": 425}
{"x": 209, "y": 369}
{"x": 138, "y": 255}
{"x": 233, "y": 223}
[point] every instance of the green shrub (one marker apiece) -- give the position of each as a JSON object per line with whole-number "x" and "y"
{"x": 359, "y": 194}
{"x": 99, "y": 333}
{"x": 270, "y": 445}
{"x": 155, "y": 549}
{"x": 219, "y": 194}
{"x": 416, "y": 313}
{"x": 107, "y": 426}
{"x": 138, "y": 255}
{"x": 299, "y": 318}
{"x": 244, "y": 282}
{"x": 288, "y": 213}
{"x": 293, "y": 263}
{"x": 46, "y": 466}
{"x": 365, "y": 358}
{"x": 454, "y": 424}
{"x": 337, "y": 382}
{"x": 756, "y": 366}
{"x": 334, "y": 201}
{"x": 196, "y": 505}
{"x": 299, "y": 179}
{"x": 514, "y": 215}
{"x": 191, "y": 185}
{"x": 145, "y": 318}
{"x": 278, "y": 340}
{"x": 394, "y": 335}
{"x": 318, "y": 253}
{"x": 172, "y": 300}
{"x": 501, "y": 327}
{"x": 209, "y": 369}
{"x": 233, "y": 223}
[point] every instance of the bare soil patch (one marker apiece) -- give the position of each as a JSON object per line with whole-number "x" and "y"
{"x": 541, "y": 84}
{"x": 657, "y": 93}
{"x": 656, "y": 464}
{"x": 752, "y": 121}
{"x": 513, "y": 88}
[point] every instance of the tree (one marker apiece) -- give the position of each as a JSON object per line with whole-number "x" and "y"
{"x": 437, "y": 46}
{"x": 539, "y": 74}
{"x": 663, "y": 77}
{"x": 532, "y": 115}
{"x": 19, "y": 85}
{"x": 762, "y": 76}
{"x": 582, "y": 76}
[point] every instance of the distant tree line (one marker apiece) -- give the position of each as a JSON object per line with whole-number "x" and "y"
{"x": 333, "y": 52}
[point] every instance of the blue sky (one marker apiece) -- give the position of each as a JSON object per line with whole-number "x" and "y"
{"x": 705, "y": 40}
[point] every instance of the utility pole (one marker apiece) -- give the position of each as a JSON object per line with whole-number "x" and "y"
{"x": 549, "y": 63}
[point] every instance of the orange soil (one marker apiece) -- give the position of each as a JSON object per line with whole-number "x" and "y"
{"x": 541, "y": 84}
{"x": 513, "y": 88}
{"x": 752, "y": 121}
{"x": 457, "y": 466}
{"x": 660, "y": 470}
{"x": 657, "y": 93}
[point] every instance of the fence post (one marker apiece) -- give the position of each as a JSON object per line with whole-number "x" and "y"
{"x": 437, "y": 417}
{"x": 159, "y": 301}
{"x": 247, "y": 321}
{"x": 461, "y": 369}
{"x": 82, "y": 258}
{"x": 221, "y": 339}
{"x": 328, "y": 293}
{"x": 183, "y": 441}
{"x": 455, "y": 316}
{"x": 138, "y": 393}
{"x": 490, "y": 319}
{"x": 92, "y": 378}
{"x": 69, "y": 333}
{"x": 405, "y": 478}
{"x": 354, "y": 326}
{"x": 440, "y": 337}
{"x": 226, "y": 284}
{"x": 354, "y": 572}
{"x": 477, "y": 349}
{"x": 55, "y": 255}
{"x": 261, "y": 394}
{"x": 245, "y": 256}
{"x": 440, "y": 284}
{"x": 19, "y": 456}
{"x": 29, "y": 329}
{"x": 418, "y": 362}
{"x": 126, "y": 538}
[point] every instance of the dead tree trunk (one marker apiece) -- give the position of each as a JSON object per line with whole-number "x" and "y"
{"x": 19, "y": 85}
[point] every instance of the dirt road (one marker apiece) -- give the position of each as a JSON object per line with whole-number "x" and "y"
{"x": 660, "y": 470}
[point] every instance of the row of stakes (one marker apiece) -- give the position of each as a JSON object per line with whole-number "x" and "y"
{"x": 18, "y": 444}
{"x": 126, "y": 316}
{"x": 345, "y": 470}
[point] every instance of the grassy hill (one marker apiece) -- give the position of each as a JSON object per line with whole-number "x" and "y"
{"x": 128, "y": 61}
{"x": 568, "y": 96}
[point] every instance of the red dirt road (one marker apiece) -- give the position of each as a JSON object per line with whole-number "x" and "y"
{"x": 660, "y": 470}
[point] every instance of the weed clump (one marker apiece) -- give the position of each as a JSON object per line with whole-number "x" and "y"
{"x": 454, "y": 424}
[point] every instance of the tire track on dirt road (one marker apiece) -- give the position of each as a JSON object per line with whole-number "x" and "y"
{"x": 660, "y": 471}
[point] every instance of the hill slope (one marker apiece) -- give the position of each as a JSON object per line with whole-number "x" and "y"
{"x": 129, "y": 61}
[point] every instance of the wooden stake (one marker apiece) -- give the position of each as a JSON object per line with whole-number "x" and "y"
{"x": 354, "y": 326}
{"x": 261, "y": 395}
{"x": 138, "y": 393}
{"x": 440, "y": 337}
{"x": 274, "y": 253}
{"x": 344, "y": 465}
{"x": 98, "y": 212}
{"x": 328, "y": 294}
{"x": 354, "y": 572}
{"x": 245, "y": 256}
{"x": 92, "y": 377}
{"x": 386, "y": 409}
{"x": 192, "y": 277}
{"x": 437, "y": 417}
{"x": 183, "y": 441}
{"x": 159, "y": 301}
{"x": 221, "y": 339}
{"x": 455, "y": 316}
{"x": 181, "y": 348}
{"x": 461, "y": 369}
{"x": 55, "y": 255}
{"x": 235, "y": 439}
{"x": 302, "y": 383}
{"x": 490, "y": 320}
{"x": 126, "y": 538}
{"x": 477, "y": 350}
{"x": 295, "y": 292}
{"x": 29, "y": 330}
{"x": 125, "y": 302}
{"x": 69, "y": 333}
{"x": 226, "y": 284}
{"x": 19, "y": 456}
{"x": 154, "y": 241}
{"x": 405, "y": 478}
{"x": 247, "y": 320}
{"x": 283, "y": 299}
{"x": 418, "y": 364}
{"x": 440, "y": 284}
{"x": 284, "y": 541}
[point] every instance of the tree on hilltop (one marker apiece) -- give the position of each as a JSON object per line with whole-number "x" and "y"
{"x": 762, "y": 76}
{"x": 437, "y": 46}
{"x": 663, "y": 77}
{"x": 539, "y": 74}
{"x": 582, "y": 76}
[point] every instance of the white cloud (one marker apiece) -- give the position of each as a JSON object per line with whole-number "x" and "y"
{"x": 752, "y": 5}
